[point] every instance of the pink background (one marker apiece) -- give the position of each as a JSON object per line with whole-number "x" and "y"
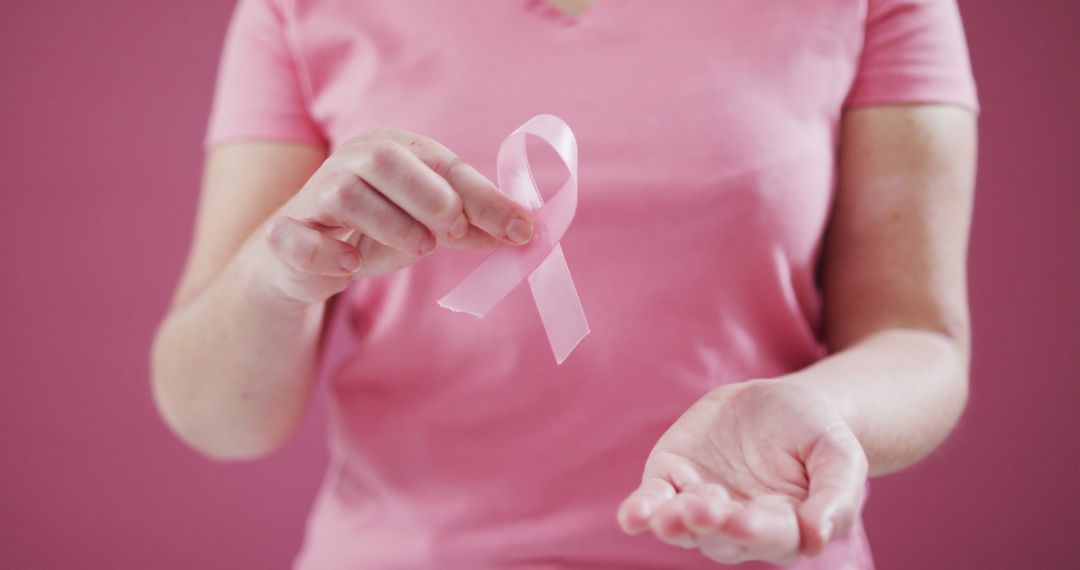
{"x": 102, "y": 109}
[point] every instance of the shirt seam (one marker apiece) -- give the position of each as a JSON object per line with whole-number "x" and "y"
{"x": 303, "y": 74}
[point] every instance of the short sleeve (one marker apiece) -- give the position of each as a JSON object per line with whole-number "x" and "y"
{"x": 259, "y": 92}
{"x": 914, "y": 51}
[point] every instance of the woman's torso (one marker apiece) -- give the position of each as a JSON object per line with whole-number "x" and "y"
{"x": 707, "y": 137}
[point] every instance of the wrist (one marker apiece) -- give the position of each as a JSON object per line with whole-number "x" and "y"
{"x": 807, "y": 385}
{"x": 840, "y": 401}
{"x": 252, "y": 270}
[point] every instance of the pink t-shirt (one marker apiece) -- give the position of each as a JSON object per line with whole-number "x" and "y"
{"x": 707, "y": 133}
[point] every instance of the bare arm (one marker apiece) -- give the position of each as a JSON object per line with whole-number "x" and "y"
{"x": 769, "y": 469}
{"x": 894, "y": 280}
{"x": 229, "y": 358}
{"x": 281, "y": 230}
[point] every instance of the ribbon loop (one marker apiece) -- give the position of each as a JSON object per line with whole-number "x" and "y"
{"x": 541, "y": 261}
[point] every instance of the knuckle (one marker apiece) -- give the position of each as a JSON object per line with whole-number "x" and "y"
{"x": 845, "y": 519}
{"x": 384, "y": 156}
{"x": 447, "y": 206}
{"x": 289, "y": 245}
{"x": 447, "y": 166}
{"x": 277, "y": 234}
{"x": 340, "y": 196}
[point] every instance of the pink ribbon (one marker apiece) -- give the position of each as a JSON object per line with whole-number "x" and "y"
{"x": 541, "y": 260}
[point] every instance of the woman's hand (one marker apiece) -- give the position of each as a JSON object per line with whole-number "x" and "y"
{"x": 384, "y": 200}
{"x": 763, "y": 470}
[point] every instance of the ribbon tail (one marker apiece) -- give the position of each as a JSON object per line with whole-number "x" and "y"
{"x": 558, "y": 303}
{"x": 486, "y": 285}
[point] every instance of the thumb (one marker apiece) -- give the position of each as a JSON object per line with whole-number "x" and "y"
{"x": 836, "y": 467}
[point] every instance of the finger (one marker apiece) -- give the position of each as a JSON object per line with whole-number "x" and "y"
{"x": 473, "y": 239}
{"x": 406, "y": 181}
{"x": 639, "y": 506}
{"x": 381, "y": 259}
{"x": 722, "y": 548}
{"x": 308, "y": 250}
{"x": 709, "y": 507}
{"x": 486, "y": 207}
{"x": 352, "y": 202}
{"x": 768, "y": 527}
{"x": 667, "y": 523}
{"x": 836, "y": 467}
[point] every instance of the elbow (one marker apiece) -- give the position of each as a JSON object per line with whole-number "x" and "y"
{"x": 955, "y": 350}
{"x": 946, "y": 358}
{"x": 233, "y": 451}
{"x": 945, "y": 351}
{"x": 212, "y": 435}
{"x": 203, "y": 422}
{"x": 224, "y": 446}
{"x": 945, "y": 354}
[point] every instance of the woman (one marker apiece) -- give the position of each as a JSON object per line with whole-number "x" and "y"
{"x": 769, "y": 245}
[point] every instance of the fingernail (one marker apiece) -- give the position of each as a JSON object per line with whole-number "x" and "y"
{"x": 350, "y": 262}
{"x": 428, "y": 244}
{"x": 459, "y": 228}
{"x": 519, "y": 231}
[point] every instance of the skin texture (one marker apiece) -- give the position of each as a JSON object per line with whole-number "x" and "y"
{"x": 768, "y": 469}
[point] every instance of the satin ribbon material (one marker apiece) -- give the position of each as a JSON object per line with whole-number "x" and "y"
{"x": 541, "y": 261}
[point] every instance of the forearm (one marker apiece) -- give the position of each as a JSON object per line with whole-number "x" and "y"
{"x": 233, "y": 367}
{"x": 901, "y": 392}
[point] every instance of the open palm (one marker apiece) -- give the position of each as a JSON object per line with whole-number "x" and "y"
{"x": 764, "y": 470}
